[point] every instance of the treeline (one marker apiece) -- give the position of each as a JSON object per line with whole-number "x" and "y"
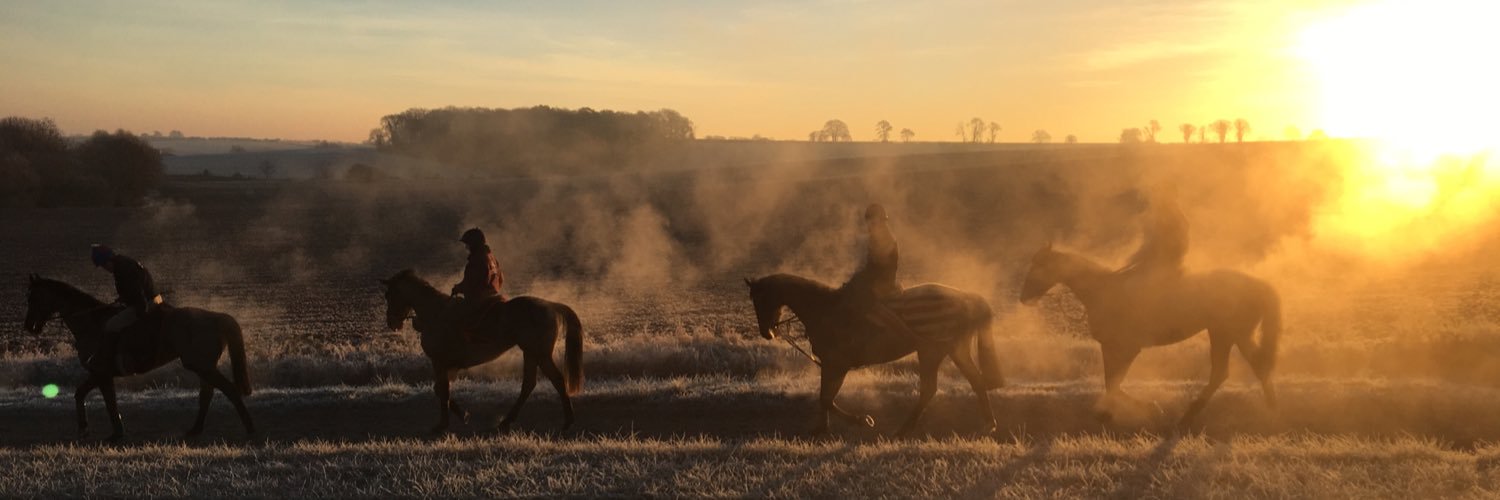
{"x": 533, "y": 140}
{"x": 40, "y": 167}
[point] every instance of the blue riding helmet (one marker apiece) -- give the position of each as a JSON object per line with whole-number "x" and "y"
{"x": 101, "y": 254}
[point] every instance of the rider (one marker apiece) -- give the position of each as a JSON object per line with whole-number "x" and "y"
{"x": 137, "y": 292}
{"x": 1166, "y": 238}
{"x": 482, "y": 280}
{"x": 876, "y": 280}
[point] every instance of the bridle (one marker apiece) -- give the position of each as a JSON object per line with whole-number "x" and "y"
{"x": 788, "y": 338}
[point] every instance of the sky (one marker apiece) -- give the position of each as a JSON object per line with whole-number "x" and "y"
{"x": 330, "y": 70}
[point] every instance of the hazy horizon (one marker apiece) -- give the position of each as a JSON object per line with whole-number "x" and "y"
{"x": 325, "y": 70}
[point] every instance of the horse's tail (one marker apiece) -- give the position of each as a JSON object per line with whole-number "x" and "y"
{"x": 1270, "y": 325}
{"x": 573, "y": 349}
{"x": 235, "y": 338}
{"x": 989, "y": 354}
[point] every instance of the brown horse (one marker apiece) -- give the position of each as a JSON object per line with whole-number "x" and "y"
{"x": 526, "y": 322}
{"x": 1130, "y": 311}
{"x": 195, "y": 336}
{"x": 947, "y": 319}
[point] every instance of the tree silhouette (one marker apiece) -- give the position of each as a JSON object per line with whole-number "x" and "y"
{"x": 1221, "y": 129}
{"x": 836, "y": 130}
{"x": 1131, "y": 136}
{"x": 1202, "y": 134}
{"x": 1072, "y": 139}
{"x": 1151, "y": 130}
{"x": 907, "y": 134}
{"x": 267, "y": 168}
{"x": 1241, "y": 126}
{"x": 1292, "y": 133}
{"x": 994, "y": 131}
{"x": 976, "y": 129}
{"x": 1041, "y": 137}
{"x": 812, "y": 136}
{"x": 883, "y": 131}
{"x": 1187, "y": 132}
{"x": 962, "y": 132}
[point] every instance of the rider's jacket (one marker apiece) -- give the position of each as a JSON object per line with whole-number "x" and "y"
{"x": 482, "y": 276}
{"x": 134, "y": 285}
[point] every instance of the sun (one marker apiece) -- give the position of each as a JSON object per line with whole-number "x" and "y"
{"x": 1417, "y": 79}
{"x": 1418, "y": 75}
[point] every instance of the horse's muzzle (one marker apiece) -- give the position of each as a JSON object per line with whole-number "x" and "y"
{"x": 768, "y": 333}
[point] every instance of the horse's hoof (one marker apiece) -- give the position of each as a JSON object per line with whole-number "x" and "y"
{"x": 439, "y": 429}
{"x": 1104, "y": 417}
{"x": 115, "y": 438}
{"x": 869, "y": 421}
{"x": 463, "y": 417}
{"x": 502, "y": 427}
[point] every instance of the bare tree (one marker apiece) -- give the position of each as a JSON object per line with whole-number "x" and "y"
{"x": 962, "y": 132}
{"x": 976, "y": 129}
{"x": 883, "y": 131}
{"x": 1072, "y": 139}
{"x": 1241, "y": 127}
{"x": 267, "y": 168}
{"x": 1041, "y": 137}
{"x": 907, "y": 134}
{"x": 1221, "y": 129}
{"x": 1151, "y": 130}
{"x": 1187, "y": 132}
{"x": 812, "y": 136}
{"x": 1131, "y": 136}
{"x": 994, "y": 131}
{"x": 1202, "y": 134}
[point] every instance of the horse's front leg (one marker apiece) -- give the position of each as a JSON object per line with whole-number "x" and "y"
{"x": 833, "y": 380}
{"x": 1117, "y": 360}
{"x": 107, "y": 388}
{"x": 80, "y": 398}
{"x": 440, "y": 389}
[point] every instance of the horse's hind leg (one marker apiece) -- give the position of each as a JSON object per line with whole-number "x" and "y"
{"x": 80, "y": 398}
{"x": 963, "y": 356}
{"x": 1218, "y": 349}
{"x": 205, "y": 396}
{"x": 212, "y": 377}
{"x": 1262, "y": 366}
{"x": 528, "y": 382}
{"x": 927, "y": 369}
{"x": 549, "y": 368}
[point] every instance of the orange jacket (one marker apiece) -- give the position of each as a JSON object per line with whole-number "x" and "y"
{"x": 482, "y": 276}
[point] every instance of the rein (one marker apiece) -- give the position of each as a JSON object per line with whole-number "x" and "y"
{"x": 60, "y": 315}
{"x": 788, "y": 338}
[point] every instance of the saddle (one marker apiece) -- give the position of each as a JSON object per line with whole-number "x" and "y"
{"x": 467, "y": 315}
{"x": 142, "y": 344}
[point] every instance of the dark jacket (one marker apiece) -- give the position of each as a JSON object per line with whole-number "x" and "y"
{"x": 482, "y": 277}
{"x": 1166, "y": 239}
{"x": 133, "y": 283}
{"x": 878, "y": 276}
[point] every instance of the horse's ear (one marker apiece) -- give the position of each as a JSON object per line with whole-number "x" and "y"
{"x": 748, "y": 282}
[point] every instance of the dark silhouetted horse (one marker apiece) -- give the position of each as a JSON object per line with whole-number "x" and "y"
{"x": 946, "y": 319}
{"x": 1130, "y": 311}
{"x": 195, "y": 336}
{"x": 526, "y": 322}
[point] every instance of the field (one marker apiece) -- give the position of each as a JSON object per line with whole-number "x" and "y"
{"x": 1388, "y": 369}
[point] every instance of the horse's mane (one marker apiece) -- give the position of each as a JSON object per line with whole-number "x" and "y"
{"x": 70, "y": 292}
{"x": 411, "y": 276}
{"x": 784, "y": 279}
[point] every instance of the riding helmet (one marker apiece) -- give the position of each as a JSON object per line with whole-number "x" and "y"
{"x": 473, "y": 237}
{"x": 100, "y": 254}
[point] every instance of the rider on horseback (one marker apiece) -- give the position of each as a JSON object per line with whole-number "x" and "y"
{"x": 1166, "y": 239}
{"x": 481, "y": 283}
{"x": 876, "y": 281}
{"x": 137, "y": 292}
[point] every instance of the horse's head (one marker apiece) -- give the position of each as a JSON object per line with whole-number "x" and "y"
{"x": 41, "y": 304}
{"x": 1045, "y": 272}
{"x": 768, "y": 306}
{"x": 398, "y": 302}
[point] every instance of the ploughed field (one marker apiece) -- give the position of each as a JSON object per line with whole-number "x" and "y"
{"x": 1385, "y": 378}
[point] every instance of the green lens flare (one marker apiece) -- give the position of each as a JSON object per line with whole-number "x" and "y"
{"x": 49, "y": 390}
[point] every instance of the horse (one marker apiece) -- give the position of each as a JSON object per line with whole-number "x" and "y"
{"x": 527, "y": 322}
{"x": 1130, "y": 311}
{"x": 197, "y": 337}
{"x": 947, "y": 319}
